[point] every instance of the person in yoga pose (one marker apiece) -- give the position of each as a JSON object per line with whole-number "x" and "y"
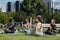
{"x": 52, "y": 29}
{"x": 38, "y": 26}
{"x": 9, "y": 28}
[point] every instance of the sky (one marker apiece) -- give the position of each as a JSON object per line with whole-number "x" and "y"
{"x": 4, "y": 2}
{"x": 56, "y": 0}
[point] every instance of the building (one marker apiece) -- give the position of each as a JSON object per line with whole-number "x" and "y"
{"x": 13, "y": 7}
{"x": 53, "y": 4}
{"x": 9, "y": 5}
{"x": 48, "y": 3}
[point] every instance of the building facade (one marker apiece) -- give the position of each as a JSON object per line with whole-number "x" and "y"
{"x": 9, "y": 5}
{"x": 53, "y": 4}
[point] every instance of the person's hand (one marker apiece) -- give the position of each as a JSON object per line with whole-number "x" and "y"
{"x": 7, "y": 29}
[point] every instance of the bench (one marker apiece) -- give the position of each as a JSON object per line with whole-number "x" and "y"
{"x": 48, "y": 25}
{"x": 45, "y": 26}
{"x": 1, "y": 28}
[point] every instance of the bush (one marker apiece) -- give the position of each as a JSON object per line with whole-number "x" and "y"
{"x": 57, "y": 17}
{"x": 20, "y": 17}
{"x": 3, "y": 18}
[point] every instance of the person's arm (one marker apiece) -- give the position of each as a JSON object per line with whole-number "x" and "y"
{"x": 12, "y": 24}
{"x": 38, "y": 26}
{"x": 25, "y": 25}
{"x": 54, "y": 29}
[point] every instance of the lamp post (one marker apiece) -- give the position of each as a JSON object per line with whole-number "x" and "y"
{"x": 52, "y": 9}
{"x": 0, "y": 7}
{"x": 48, "y": 7}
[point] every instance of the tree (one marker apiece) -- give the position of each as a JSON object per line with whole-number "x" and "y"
{"x": 30, "y": 6}
{"x": 11, "y": 14}
{"x": 36, "y": 7}
{"x": 3, "y": 18}
{"x": 20, "y": 17}
{"x": 57, "y": 17}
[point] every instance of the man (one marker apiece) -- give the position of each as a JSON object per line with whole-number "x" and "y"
{"x": 9, "y": 28}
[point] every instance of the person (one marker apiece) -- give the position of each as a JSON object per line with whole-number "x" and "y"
{"x": 27, "y": 26}
{"x": 9, "y": 28}
{"x": 39, "y": 26}
{"x": 52, "y": 29}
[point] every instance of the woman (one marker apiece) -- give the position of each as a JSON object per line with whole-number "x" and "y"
{"x": 38, "y": 26}
{"x": 52, "y": 29}
{"x": 27, "y": 23}
{"x": 27, "y": 26}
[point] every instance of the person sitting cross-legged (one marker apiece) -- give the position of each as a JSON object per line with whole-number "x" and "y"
{"x": 52, "y": 29}
{"x": 39, "y": 26}
{"x": 9, "y": 28}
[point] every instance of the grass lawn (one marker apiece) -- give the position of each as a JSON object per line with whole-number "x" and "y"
{"x": 21, "y": 36}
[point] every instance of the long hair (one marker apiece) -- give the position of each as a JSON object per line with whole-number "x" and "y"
{"x": 39, "y": 18}
{"x": 10, "y": 19}
{"x": 52, "y": 22}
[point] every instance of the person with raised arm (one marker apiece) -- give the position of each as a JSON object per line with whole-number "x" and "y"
{"x": 39, "y": 26}
{"x": 27, "y": 26}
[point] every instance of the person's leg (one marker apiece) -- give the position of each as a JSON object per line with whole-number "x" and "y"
{"x": 41, "y": 32}
{"x": 38, "y": 32}
{"x": 5, "y": 30}
{"x": 8, "y": 31}
{"x": 53, "y": 33}
{"x": 47, "y": 32}
{"x": 25, "y": 31}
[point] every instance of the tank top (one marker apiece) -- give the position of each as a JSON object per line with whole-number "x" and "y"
{"x": 39, "y": 31}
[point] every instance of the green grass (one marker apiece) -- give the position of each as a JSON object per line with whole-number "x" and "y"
{"x": 21, "y": 36}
